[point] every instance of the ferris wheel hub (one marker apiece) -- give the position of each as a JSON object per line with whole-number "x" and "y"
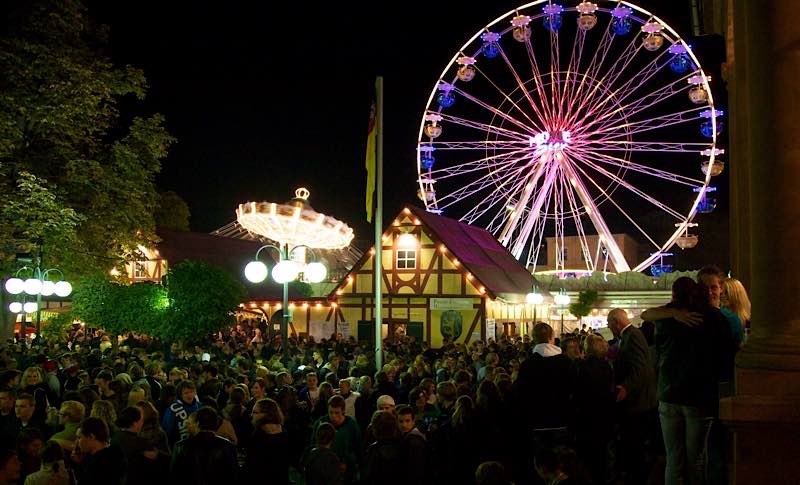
{"x": 550, "y": 141}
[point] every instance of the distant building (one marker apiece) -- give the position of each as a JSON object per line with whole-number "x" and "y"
{"x": 575, "y": 261}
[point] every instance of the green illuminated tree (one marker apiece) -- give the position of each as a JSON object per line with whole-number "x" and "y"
{"x": 61, "y": 124}
{"x": 119, "y": 309}
{"x": 202, "y": 300}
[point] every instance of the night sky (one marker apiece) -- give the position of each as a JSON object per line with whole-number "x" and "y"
{"x": 264, "y": 97}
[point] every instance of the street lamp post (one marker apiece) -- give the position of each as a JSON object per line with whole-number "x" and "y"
{"x": 292, "y": 225}
{"x": 562, "y": 300}
{"x": 534, "y": 298}
{"x": 37, "y": 285}
{"x": 285, "y": 271}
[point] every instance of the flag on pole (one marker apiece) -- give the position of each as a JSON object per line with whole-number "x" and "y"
{"x": 372, "y": 144}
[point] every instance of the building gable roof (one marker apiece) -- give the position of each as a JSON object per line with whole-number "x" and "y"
{"x": 480, "y": 253}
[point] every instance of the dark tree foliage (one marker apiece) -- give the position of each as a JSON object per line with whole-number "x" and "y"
{"x": 83, "y": 179}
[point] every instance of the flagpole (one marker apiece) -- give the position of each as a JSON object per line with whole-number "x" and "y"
{"x": 378, "y": 224}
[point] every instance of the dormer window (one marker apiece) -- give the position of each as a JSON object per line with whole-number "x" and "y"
{"x": 406, "y": 259}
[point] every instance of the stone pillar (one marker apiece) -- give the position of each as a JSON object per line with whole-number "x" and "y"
{"x": 764, "y": 69}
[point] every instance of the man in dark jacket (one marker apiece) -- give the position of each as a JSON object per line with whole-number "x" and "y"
{"x": 634, "y": 376}
{"x": 100, "y": 462}
{"x": 203, "y": 457}
{"x": 544, "y": 388}
{"x": 144, "y": 462}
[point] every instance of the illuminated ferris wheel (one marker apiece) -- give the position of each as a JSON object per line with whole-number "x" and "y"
{"x": 573, "y": 121}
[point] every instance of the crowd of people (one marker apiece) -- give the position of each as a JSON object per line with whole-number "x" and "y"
{"x": 243, "y": 408}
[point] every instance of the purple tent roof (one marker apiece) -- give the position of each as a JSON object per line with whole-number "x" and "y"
{"x": 479, "y": 252}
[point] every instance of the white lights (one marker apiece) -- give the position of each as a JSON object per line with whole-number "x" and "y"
{"x": 295, "y": 225}
{"x": 32, "y": 286}
{"x": 315, "y": 272}
{"x": 29, "y": 307}
{"x": 48, "y": 288}
{"x": 15, "y": 307}
{"x": 63, "y": 288}
{"x": 256, "y": 271}
{"x": 534, "y": 298}
{"x": 407, "y": 241}
{"x": 562, "y": 299}
{"x": 285, "y": 271}
{"x": 15, "y": 286}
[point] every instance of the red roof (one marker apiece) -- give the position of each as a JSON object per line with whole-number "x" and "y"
{"x": 479, "y": 252}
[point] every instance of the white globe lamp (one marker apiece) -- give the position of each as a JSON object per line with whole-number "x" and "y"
{"x": 534, "y": 298}
{"x": 562, "y": 299}
{"x": 315, "y": 272}
{"x": 29, "y": 307}
{"x": 48, "y": 288}
{"x": 285, "y": 271}
{"x": 62, "y": 289}
{"x": 256, "y": 271}
{"x": 33, "y": 286}
{"x": 15, "y": 307}
{"x": 15, "y": 286}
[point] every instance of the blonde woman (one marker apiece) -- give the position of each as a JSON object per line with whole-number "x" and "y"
{"x": 735, "y": 299}
{"x": 105, "y": 410}
{"x": 32, "y": 382}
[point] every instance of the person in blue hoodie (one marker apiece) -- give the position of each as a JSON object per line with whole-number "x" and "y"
{"x": 177, "y": 414}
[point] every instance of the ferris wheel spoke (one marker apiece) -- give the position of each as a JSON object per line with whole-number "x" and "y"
{"x": 644, "y": 102}
{"x": 502, "y": 161}
{"x": 518, "y": 208}
{"x": 535, "y": 211}
{"x": 641, "y": 146}
{"x": 592, "y": 211}
{"x": 575, "y": 209}
{"x": 621, "y": 93}
{"x": 618, "y": 207}
{"x": 495, "y": 111}
{"x": 506, "y": 172}
{"x": 592, "y": 69}
{"x": 635, "y": 127}
{"x": 612, "y": 74}
{"x": 521, "y": 86}
{"x": 624, "y": 183}
{"x": 629, "y": 165}
{"x": 500, "y": 195}
{"x": 485, "y": 128}
{"x": 508, "y": 98}
{"x": 547, "y": 110}
{"x": 516, "y": 145}
{"x": 636, "y": 82}
{"x": 555, "y": 77}
{"x": 572, "y": 69}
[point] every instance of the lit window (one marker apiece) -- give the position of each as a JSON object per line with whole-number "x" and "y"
{"x": 139, "y": 270}
{"x": 407, "y": 259}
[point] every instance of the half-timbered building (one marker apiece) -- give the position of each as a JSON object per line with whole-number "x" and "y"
{"x": 440, "y": 278}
